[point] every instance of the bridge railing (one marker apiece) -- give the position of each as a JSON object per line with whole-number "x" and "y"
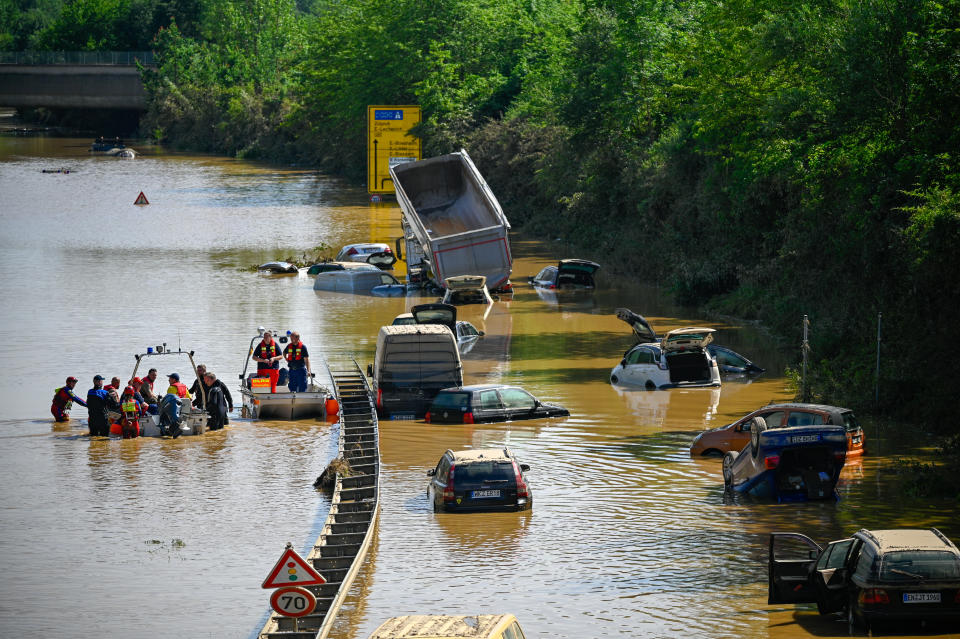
{"x": 117, "y": 58}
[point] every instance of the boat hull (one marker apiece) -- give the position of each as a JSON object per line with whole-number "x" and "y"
{"x": 285, "y": 405}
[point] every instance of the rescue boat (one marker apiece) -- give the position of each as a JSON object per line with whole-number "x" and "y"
{"x": 193, "y": 420}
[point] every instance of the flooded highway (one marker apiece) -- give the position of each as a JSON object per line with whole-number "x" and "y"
{"x": 628, "y": 537}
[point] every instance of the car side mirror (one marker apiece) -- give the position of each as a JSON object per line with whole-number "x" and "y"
{"x": 623, "y": 362}
{"x": 481, "y": 333}
{"x": 369, "y": 370}
{"x": 524, "y": 467}
{"x": 431, "y": 472}
{"x": 537, "y": 403}
{"x": 240, "y": 376}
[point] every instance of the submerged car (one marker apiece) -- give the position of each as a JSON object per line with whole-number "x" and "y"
{"x": 488, "y": 403}
{"x": 445, "y": 315}
{"x": 479, "y": 480}
{"x": 323, "y": 267}
{"x": 368, "y": 281}
{"x": 680, "y": 359}
{"x": 363, "y": 252}
{"x": 729, "y": 362}
{"x": 874, "y": 576}
{"x": 449, "y": 627}
{"x": 797, "y": 463}
{"x": 568, "y": 274}
{"x": 736, "y": 435}
{"x": 466, "y": 289}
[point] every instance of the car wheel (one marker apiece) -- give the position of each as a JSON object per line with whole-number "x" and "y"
{"x": 728, "y": 460}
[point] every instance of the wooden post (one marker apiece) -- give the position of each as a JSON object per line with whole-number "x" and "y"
{"x": 876, "y": 397}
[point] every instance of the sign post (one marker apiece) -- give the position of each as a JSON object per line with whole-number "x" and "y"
{"x": 389, "y": 143}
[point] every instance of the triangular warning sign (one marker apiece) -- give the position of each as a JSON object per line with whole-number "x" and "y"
{"x": 293, "y": 570}
{"x": 141, "y": 199}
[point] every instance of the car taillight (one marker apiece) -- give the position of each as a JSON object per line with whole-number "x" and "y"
{"x": 468, "y": 418}
{"x": 522, "y": 492}
{"x": 387, "y": 250}
{"x": 352, "y": 251}
{"x": 448, "y": 489}
{"x": 426, "y": 417}
{"x": 771, "y": 462}
{"x": 553, "y": 286}
{"x": 379, "y": 398}
{"x": 874, "y": 596}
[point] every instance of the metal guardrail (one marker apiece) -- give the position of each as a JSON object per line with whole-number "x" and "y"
{"x": 92, "y": 58}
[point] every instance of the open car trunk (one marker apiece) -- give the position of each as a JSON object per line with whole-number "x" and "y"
{"x": 808, "y": 471}
{"x": 688, "y": 367}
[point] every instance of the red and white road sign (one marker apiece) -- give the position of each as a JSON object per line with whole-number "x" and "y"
{"x": 292, "y": 601}
{"x": 293, "y": 570}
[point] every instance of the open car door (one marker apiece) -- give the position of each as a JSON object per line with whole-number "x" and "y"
{"x": 641, "y": 328}
{"x": 576, "y": 273}
{"x": 382, "y": 259}
{"x": 444, "y": 314}
{"x": 792, "y": 558}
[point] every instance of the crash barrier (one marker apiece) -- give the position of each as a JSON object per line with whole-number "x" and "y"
{"x": 119, "y": 58}
{"x": 339, "y": 551}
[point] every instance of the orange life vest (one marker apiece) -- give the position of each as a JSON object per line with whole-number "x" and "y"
{"x": 295, "y": 353}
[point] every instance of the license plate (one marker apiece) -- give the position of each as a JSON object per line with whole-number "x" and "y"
{"x": 921, "y": 597}
{"x": 402, "y": 416}
{"x": 484, "y": 494}
{"x": 857, "y": 439}
{"x": 804, "y": 439}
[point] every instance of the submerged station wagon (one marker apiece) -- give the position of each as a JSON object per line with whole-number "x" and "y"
{"x": 679, "y": 360}
{"x": 874, "y": 576}
{"x": 479, "y": 480}
{"x": 488, "y": 403}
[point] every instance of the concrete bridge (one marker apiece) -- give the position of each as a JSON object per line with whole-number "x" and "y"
{"x": 73, "y": 79}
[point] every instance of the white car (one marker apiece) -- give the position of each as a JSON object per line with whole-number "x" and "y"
{"x": 363, "y": 252}
{"x": 679, "y": 360}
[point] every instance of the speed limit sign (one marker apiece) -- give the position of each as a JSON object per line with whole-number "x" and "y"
{"x": 292, "y": 601}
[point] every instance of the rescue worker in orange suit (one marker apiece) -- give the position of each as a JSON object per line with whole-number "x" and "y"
{"x": 267, "y": 355}
{"x": 63, "y": 399}
{"x": 131, "y": 410}
{"x": 298, "y": 364}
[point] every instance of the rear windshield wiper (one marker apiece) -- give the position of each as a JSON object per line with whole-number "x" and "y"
{"x": 908, "y": 574}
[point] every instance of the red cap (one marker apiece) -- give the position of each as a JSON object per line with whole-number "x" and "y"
{"x": 128, "y": 390}
{"x": 71, "y": 379}
{"x": 136, "y": 380}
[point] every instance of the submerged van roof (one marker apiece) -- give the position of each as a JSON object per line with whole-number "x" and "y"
{"x": 414, "y": 329}
{"x": 441, "y": 626}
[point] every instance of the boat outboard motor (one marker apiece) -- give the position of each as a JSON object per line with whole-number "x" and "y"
{"x": 169, "y": 410}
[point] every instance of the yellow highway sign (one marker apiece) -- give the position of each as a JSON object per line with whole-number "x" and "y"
{"x": 389, "y": 143}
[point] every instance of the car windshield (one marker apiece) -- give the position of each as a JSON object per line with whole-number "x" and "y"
{"x": 447, "y": 401}
{"x": 484, "y": 471}
{"x": 913, "y": 565}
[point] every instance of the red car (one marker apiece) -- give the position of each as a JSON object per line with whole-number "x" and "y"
{"x": 735, "y": 436}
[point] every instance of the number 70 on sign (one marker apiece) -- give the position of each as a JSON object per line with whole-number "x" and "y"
{"x": 293, "y": 601}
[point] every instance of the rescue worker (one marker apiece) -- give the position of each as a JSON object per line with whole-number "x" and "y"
{"x": 216, "y": 402}
{"x": 63, "y": 399}
{"x": 142, "y": 393}
{"x": 177, "y": 387}
{"x": 195, "y": 389}
{"x": 98, "y": 403}
{"x": 149, "y": 380}
{"x": 298, "y": 364}
{"x": 131, "y": 411}
{"x": 267, "y": 355}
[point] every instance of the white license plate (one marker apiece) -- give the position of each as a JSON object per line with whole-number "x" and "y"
{"x": 921, "y": 597}
{"x": 484, "y": 494}
{"x": 409, "y": 416}
{"x": 804, "y": 439}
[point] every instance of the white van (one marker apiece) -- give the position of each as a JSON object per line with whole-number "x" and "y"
{"x": 449, "y": 627}
{"x": 353, "y": 280}
{"x": 412, "y": 364}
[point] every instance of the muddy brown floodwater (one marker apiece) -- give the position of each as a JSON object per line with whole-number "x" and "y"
{"x": 628, "y": 536}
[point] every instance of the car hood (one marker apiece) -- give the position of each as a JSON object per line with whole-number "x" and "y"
{"x": 443, "y": 314}
{"x": 465, "y": 282}
{"x": 688, "y": 338}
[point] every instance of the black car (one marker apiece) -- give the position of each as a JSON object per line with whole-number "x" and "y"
{"x": 874, "y": 576}
{"x": 488, "y": 403}
{"x": 479, "y": 480}
{"x": 568, "y": 274}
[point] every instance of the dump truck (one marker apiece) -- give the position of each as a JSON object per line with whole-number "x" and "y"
{"x": 452, "y": 223}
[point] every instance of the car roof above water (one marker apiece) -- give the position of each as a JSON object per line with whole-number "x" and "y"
{"x": 441, "y": 626}
{"x": 908, "y": 539}
{"x": 480, "y": 454}
{"x": 476, "y": 387}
